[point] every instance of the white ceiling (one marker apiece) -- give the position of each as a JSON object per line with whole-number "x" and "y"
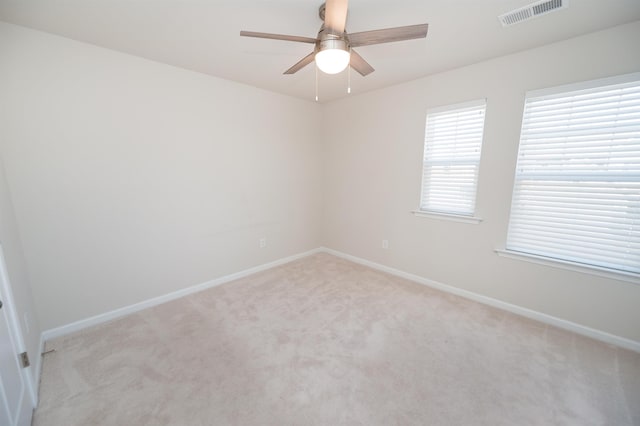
{"x": 203, "y": 35}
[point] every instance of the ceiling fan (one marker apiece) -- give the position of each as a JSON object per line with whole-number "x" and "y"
{"x": 333, "y": 50}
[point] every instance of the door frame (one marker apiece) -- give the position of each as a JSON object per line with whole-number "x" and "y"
{"x": 8, "y": 303}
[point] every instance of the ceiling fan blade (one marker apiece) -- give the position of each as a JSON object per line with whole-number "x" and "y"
{"x": 335, "y": 15}
{"x": 301, "y": 63}
{"x": 388, "y": 35}
{"x": 278, "y": 37}
{"x": 358, "y": 63}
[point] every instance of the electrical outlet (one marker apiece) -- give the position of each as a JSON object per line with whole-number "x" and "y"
{"x": 385, "y": 244}
{"x": 262, "y": 243}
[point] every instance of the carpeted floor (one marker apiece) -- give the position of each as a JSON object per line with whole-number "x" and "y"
{"x": 322, "y": 341}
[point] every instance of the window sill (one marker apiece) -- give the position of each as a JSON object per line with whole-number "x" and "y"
{"x": 447, "y": 216}
{"x": 571, "y": 266}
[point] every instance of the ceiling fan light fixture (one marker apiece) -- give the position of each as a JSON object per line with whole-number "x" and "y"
{"x": 333, "y": 56}
{"x": 332, "y": 51}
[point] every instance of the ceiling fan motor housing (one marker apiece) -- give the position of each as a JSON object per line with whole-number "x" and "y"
{"x": 332, "y": 41}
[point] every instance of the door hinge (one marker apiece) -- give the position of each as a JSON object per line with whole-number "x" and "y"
{"x": 24, "y": 360}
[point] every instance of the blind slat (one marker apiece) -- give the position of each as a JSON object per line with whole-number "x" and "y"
{"x": 577, "y": 189}
{"x": 452, "y": 145}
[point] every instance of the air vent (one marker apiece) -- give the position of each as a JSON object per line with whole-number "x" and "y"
{"x": 531, "y": 11}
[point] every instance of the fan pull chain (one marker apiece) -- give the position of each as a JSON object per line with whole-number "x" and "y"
{"x": 316, "y": 67}
{"x": 349, "y": 79}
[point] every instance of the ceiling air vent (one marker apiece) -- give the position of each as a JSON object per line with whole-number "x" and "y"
{"x": 531, "y": 11}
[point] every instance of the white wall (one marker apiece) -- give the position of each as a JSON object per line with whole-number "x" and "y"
{"x": 373, "y": 154}
{"x": 132, "y": 179}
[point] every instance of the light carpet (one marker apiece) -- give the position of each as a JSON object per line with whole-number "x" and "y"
{"x": 323, "y": 341}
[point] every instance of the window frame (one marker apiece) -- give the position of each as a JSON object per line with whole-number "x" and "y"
{"x": 452, "y": 214}
{"x": 549, "y": 258}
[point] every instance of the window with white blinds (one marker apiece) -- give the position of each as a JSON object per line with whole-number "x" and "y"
{"x": 452, "y": 147}
{"x": 577, "y": 187}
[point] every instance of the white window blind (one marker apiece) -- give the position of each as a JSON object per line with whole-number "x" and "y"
{"x": 577, "y": 187}
{"x": 452, "y": 147}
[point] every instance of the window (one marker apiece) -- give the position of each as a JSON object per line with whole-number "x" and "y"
{"x": 452, "y": 146}
{"x": 577, "y": 186}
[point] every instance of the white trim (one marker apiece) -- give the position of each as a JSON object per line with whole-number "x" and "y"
{"x": 31, "y": 386}
{"x": 442, "y": 149}
{"x": 461, "y": 105}
{"x": 583, "y": 85}
{"x": 126, "y": 310}
{"x": 37, "y": 368}
{"x": 518, "y": 310}
{"x": 25, "y": 412}
{"x": 447, "y": 216}
{"x": 15, "y": 329}
{"x": 571, "y": 266}
{"x": 551, "y": 190}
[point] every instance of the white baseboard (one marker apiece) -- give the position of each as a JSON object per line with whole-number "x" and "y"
{"x": 515, "y": 309}
{"x": 535, "y": 315}
{"x": 126, "y": 310}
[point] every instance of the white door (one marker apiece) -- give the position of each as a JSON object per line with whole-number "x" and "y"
{"x": 15, "y": 404}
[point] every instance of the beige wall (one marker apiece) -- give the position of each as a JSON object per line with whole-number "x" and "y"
{"x": 132, "y": 179}
{"x": 373, "y": 152}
